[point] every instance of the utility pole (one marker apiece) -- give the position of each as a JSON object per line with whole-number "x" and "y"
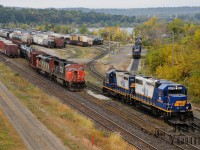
{"x": 172, "y": 48}
{"x": 109, "y": 43}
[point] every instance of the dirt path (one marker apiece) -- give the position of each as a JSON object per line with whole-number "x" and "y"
{"x": 34, "y": 134}
{"x": 121, "y": 59}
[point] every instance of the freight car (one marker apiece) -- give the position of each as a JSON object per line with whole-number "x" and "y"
{"x": 4, "y": 33}
{"x": 8, "y": 48}
{"x": 161, "y": 97}
{"x": 21, "y": 38}
{"x": 70, "y": 74}
{"x": 81, "y": 40}
{"x": 43, "y": 40}
{"x": 58, "y": 40}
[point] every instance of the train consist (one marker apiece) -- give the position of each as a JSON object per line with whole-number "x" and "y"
{"x": 70, "y": 74}
{"x": 137, "y": 48}
{"x": 161, "y": 97}
{"x": 48, "y": 39}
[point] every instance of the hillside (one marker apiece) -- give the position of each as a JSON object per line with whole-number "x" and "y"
{"x": 160, "y": 12}
{"x": 55, "y": 16}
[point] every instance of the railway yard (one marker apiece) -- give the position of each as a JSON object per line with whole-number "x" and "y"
{"x": 139, "y": 129}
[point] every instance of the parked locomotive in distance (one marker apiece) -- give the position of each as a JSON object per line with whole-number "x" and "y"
{"x": 137, "y": 48}
{"x": 161, "y": 97}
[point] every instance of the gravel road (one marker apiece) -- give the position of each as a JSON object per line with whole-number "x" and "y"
{"x": 34, "y": 134}
{"x": 121, "y": 59}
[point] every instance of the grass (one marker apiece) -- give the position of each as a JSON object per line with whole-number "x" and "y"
{"x": 74, "y": 130}
{"x": 84, "y": 52}
{"x": 9, "y": 138}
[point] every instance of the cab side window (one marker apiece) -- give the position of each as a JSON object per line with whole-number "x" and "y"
{"x": 165, "y": 93}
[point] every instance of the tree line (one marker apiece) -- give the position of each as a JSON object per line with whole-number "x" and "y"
{"x": 178, "y": 61}
{"x": 57, "y": 16}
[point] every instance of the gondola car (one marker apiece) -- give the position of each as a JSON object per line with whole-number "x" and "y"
{"x": 161, "y": 97}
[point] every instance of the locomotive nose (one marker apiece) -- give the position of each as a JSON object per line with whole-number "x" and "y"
{"x": 178, "y": 100}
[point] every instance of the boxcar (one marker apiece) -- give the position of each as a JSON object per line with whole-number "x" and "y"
{"x": 11, "y": 50}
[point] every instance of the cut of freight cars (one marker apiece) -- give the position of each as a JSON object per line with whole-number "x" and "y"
{"x": 48, "y": 39}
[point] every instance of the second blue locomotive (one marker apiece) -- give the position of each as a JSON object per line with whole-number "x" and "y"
{"x": 137, "y": 48}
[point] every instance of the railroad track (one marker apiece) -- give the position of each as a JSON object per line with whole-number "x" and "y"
{"x": 135, "y": 119}
{"x": 122, "y": 114}
{"x": 70, "y": 99}
{"x": 134, "y": 66}
{"x": 90, "y": 65}
{"x": 196, "y": 124}
{"x": 94, "y": 87}
{"x": 141, "y": 123}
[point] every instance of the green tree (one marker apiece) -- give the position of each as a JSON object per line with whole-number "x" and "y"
{"x": 197, "y": 37}
{"x": 83, "y": 29}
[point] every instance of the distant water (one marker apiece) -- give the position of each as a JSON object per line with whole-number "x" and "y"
{"x": 129, "y": 30}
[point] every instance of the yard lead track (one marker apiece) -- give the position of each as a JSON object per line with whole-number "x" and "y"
{"x": 90, "y": 65}
{"x": 52, "y": 88}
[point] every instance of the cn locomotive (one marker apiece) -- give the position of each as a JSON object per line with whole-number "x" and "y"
{"x": 161, "y": 97}
{"x": 70, "y": 74}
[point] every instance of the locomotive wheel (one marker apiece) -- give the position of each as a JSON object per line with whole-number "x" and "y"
{"x": 64, "y": 83}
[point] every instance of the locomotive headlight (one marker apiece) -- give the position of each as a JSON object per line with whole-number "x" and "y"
{"x": 187, "y": 108}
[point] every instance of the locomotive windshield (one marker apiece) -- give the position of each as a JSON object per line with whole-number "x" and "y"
{"x": 175, "y": 91}
{"x": 75, "y": 69}
{"x": 80, "y": 68}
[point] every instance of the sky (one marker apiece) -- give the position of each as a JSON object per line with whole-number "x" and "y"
{"x": 99, "y": 3}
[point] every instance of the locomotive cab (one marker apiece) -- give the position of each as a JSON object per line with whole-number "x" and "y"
{"x": 51, "y": 43}
{"x": 111, "y": 77}
{"x": 174, "y": 97}
{"x": 75, "y": 75}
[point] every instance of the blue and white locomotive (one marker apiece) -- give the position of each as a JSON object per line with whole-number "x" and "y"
{"x": 136, "y": 51}
{"x": 161, "y": 97}
{"x": 25, "y": 51}
{"x": 137, "y": 48}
